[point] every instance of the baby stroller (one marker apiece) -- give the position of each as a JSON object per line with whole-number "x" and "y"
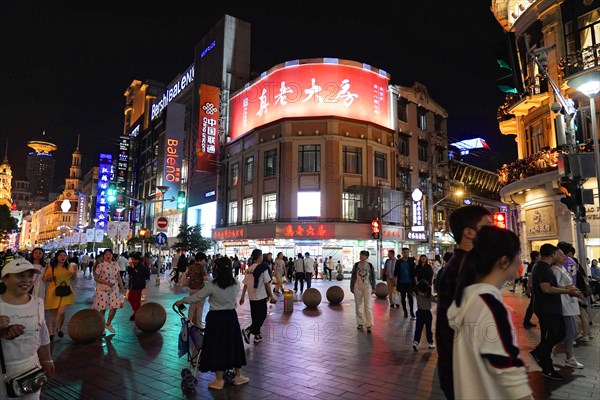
{"x": 191, "y": 339}
{"x": 190, "y": 344}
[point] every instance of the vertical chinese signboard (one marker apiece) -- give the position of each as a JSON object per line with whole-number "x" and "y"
{"x": 121, "y": 174}
{"x": 102, "y": 207}
{"x": 208, "y": 129}
{"x": 173, "y": 152}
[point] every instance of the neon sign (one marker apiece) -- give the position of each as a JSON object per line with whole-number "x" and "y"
{"x": 181, "y": 82}
{"x": 208, "y": 48}
{"x": 228, "y": 234}
{"x": 330, "y": 88}
{"x": 304, "y": 231}
{"x": 207, "y": 142}
{"x": 102, "y": 206}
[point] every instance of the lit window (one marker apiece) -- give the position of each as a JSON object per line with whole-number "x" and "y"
{"x": 352, "y": 159}
{"x": 350, "y": 202}
{"x": 233, "y": 212}
{"x": 249, "y": 170}
{"x": 248, "y": 210}
{"x": 309, "y": 204}
{"x": 235, "y": 174}
{"x": 269, "y": 207}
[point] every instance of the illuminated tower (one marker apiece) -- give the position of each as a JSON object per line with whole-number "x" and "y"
{"x": 5, "y": 180}
{"x": 73, "y": 182}
{"x": 40, "y": 167}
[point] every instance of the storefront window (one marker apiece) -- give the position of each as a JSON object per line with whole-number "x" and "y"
{"x": 269, "y": 207}
{"x": 309, "y": 204}
{"x": 248, "y": 205}
{"x": 350, "y": 202}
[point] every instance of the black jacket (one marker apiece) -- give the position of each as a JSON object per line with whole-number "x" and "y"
{"x": 424, "y": 272}
{"x": 411, "y": 269}
{"x": 138, "y": 276}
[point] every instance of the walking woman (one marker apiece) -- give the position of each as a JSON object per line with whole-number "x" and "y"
{"x": 23, "y": 332}
{"x": 60, "y": 273}
{"x": 489, "y": 369}
{"x": 109, "y": 286}
{"x": 38, "y": 262}
{"x": 223, "y": 347}
{"x": 362, "y": 284}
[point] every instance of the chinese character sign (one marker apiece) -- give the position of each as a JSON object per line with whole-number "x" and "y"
{"x": 208, "y": 129}
{"x": 102, "y": 207}
{"x": 312, "y": 90}
{"x": 121, "y": 174}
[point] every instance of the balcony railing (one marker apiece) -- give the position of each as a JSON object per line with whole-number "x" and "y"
{"x": 586, "y": 58}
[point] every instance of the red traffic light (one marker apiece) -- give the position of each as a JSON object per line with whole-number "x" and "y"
{"x": 500, "y": 219}
{"x": 375, "y": 228}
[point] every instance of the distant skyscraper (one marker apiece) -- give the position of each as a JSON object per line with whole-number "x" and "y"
{"x": 40, "y": 167}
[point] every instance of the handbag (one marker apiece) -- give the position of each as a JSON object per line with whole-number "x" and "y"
{"x": 62, "y": 290}
{"x": 25, "y": 383}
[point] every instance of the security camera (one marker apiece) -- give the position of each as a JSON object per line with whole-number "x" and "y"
{"x": 556, "y": 107}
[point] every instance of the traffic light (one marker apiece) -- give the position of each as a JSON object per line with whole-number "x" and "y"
{"x": 575, "y": 197}
{"x": 375, "y": 229}
{"x": 500, "y": 219}
{"x": 505, "y": 52}
{"x": 181, "y": 200}
{"x": 111, "y": 193}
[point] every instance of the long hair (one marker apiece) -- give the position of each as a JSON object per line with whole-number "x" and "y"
{"x": 42, "y": 261}
{"x": 490, "y": 244}
{"x": 223, "y": 273}
{"x": 54, "y": 262}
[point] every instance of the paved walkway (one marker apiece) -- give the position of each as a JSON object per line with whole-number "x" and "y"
{"x": 308, "y": 354}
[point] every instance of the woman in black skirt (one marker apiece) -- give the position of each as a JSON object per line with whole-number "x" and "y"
{"x": 223, "y": 347}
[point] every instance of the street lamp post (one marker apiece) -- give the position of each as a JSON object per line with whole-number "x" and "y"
{"x": 94, "y": 240}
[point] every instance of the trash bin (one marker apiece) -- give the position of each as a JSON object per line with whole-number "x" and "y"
{"x": 288, "y": 301}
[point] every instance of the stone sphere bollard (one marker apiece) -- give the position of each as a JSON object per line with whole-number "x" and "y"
{"x": 311, "y": 298}
{"x": 335, "y": 295}
{"x": 339, "y": 277}
{"x": 150, "y": 317}
{"x": 85, "y": 326}
{"x": 381, "y": 290}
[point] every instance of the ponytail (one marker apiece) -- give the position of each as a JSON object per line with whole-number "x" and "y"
{"x": 467, "y": 275}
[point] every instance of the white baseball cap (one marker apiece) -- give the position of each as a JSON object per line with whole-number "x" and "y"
{"x": 18, "y": 265}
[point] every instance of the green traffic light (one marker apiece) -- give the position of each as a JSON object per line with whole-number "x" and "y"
{"x": 181, "y": 200}
{"x": 111, "y": 193}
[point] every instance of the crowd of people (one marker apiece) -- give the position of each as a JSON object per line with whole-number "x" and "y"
{"x": 466, "y": 285}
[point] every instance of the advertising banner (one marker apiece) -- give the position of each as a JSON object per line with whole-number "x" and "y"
{"x": 208, "y": 129}
{"x": 102, "y": 206}
{"x": 121, "y": 173}
{"x": 313, "y": 90}
{"x": 173, "y": 152}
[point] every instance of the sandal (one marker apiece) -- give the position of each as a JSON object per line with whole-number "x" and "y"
{"x": 218, "y": 385}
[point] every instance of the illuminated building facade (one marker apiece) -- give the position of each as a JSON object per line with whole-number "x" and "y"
{"x": 5, "y": 181}
{"x": 569, "y": 30}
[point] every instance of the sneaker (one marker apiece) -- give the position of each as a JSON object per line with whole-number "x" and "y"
{"x": 412, "y": 316}
{"x": 368, "y": 329}
{"x": 110, "y": 328}
{"x": 218, "y": 385}
{"x": 143, "y": 298}
{"x": 391, "y": 306}
{"x": 132, "y": 318}
{"x": 431, "y": 346}
{"x": 240, "y": 380}
{"x": 246, "y": 335}
{"x": 573, "y": 363}
{"x": 258, "y": 339}
{"x": 397, "y": 305}
{"x": 416, "y": 346}
{"x": 61, "y": 334}
{"x": 359, "y": 327}
{"x": 553, "y": 375}
{"x": 535, "y": 357}
{"x": 405, "y": 314}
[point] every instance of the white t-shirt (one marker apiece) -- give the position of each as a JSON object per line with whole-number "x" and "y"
{"x": 309, "y": 265}
{"x": 279, "y": 266}
{"x": 570, "y": 305}
{"x": 259, "y": 292}
{"x": 20, "y": 354}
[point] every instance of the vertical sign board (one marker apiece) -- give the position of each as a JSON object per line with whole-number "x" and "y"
{"x": 81, "y": 209}
{"x": 208, "y": 129}
{"x": 102, "y": 207}
{"x": 121, "y": 174}
{"x": 173, "y": 152}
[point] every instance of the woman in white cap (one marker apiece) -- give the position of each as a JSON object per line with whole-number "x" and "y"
{"x": 22, "y": 315}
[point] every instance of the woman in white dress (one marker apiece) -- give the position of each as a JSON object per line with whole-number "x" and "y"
{"x": 39, "y": 263}
{"x": 108, "y": 288}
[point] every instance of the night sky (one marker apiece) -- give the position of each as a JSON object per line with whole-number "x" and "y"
{"x": 65, "y": 65}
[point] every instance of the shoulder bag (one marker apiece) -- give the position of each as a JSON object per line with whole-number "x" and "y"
{"x": 24, "y": 383}
{"x": 61, "y": 290}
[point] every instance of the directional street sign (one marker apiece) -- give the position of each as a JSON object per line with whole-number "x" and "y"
{"x": 161, "y": 239}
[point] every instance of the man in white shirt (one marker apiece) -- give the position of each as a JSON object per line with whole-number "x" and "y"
{"x": 123, "y": 263}
{"x": 257, "y": 282}
{"x": 309, "y": 268}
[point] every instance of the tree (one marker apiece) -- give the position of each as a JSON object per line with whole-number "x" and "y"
{"x": 190, "y": 239}
{"x": 7, "y": 222}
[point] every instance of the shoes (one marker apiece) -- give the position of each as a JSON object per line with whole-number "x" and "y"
{"x": 553, "y": 375}
{"x": 397, "y": 305}
{"x": 218, "y": 385}
{"x": 512, "y": 290}
{"x": 51, "y": 337}
{"x": 246, "y": 335}
{"x": 258, "y": 339}
{"x": 535, "y": 357}
{"x": 240, "y": 380}
{"x": 573, "y": 363}
{"x": 132, "y": 318}
{"x": 416, "y": 346}
{"x": 359, "y": 327}
{"x": 405, "y": 314}
{"x": 368, "y": 329}
{"x": 528, "y": 325}
{"x": 61, "y": 334}
{"x": 143, "y": 298}
{"x": 431, "y": 346}
{"x": 391, "y": 306}
{"x": 412, "y": 316}
{"x": 108, "y": 328}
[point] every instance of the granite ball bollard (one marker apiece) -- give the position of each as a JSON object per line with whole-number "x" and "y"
{"x": 381, "y": 290}
{"x": 150, "y": 317}
{"x": 335, "y": 294}
{"x": 340, "y": 277}
{"x": 311, "y": 298}
{"x": 85, "y": 326}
